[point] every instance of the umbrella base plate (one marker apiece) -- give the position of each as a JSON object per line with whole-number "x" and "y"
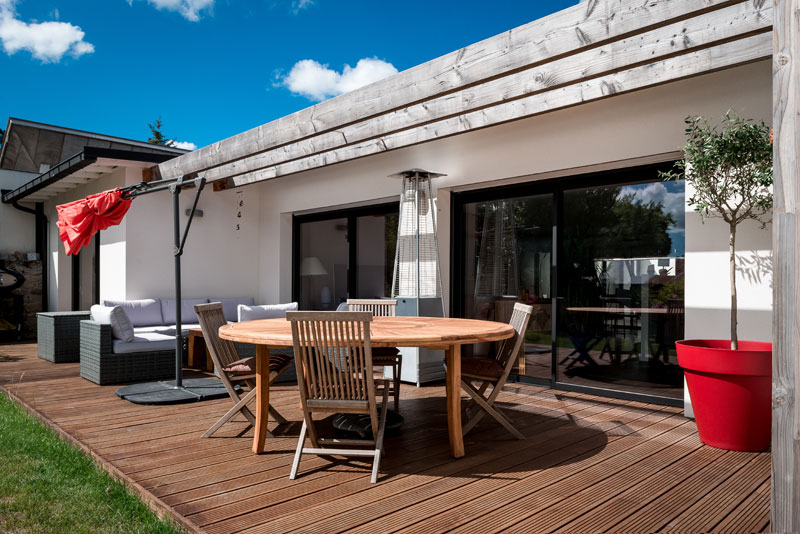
{"x": 165, "y": 392}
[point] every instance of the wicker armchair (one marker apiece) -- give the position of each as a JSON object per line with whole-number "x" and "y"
{"x": 102, "y": 366}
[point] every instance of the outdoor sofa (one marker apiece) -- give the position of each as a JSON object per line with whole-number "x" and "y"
{"x": 110, "y": 353}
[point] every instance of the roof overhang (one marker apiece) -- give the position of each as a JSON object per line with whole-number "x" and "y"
{"x": 86, "y": 166}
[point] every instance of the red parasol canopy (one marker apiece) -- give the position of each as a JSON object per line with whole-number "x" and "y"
{"x": 78, "y": 221}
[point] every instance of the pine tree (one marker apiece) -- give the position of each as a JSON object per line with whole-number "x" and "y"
{"x": 157, "y": 137}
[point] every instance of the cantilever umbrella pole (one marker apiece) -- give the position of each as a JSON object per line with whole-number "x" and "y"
{"x": 155, "y": 393}
{"x": 175, "y": 189}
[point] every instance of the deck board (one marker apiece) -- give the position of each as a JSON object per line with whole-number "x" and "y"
{"x": 589, "y": 464}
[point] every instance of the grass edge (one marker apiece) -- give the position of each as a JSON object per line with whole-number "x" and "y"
{"x": 159, "y": 507}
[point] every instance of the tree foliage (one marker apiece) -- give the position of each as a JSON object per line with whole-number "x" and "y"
{"x": 157, "y": 136}
{"x": 607, "y": 223}
{"x": 730, "y": 169}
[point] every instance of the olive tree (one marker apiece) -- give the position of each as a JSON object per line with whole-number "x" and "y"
{"x": 729, "y": 167}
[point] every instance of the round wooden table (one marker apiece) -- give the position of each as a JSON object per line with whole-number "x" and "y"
{"x": 428, "y": 332}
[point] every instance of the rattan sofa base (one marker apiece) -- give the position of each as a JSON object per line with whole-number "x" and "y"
{"x": 101, "y": 366}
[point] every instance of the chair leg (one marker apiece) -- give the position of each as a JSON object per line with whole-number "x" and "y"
{"x": 471, "y": 403}
{"x": 299, "y": 452}
{"x": 500, "y": 418}
{"x": 397, "y": 385}
{"x": 375, "y": 463}
{"x": 379, "y": 438}
{"x": 277, "y": 416}
{"x": 238, "y": 407}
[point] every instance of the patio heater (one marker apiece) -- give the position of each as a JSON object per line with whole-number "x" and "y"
{"x": 178, "y": 390}
{"x": 417, "y": 277}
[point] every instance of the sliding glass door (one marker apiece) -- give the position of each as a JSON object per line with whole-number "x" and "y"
{"x": 507, "y": 258}
{"x": 343, "y": 254}
{"x": 620, "y": 289}
{"x": 601, "y": 260}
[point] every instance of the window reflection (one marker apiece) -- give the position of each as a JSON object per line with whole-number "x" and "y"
{"x": 620, "y": 281}
{"x": 508, "y": 246}
{"x": 622, "y": 287}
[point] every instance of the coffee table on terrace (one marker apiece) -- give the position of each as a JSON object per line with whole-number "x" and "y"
{"x": 429, "y": 332}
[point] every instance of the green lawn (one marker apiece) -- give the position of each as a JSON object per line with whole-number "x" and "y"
{"x": 47, "y": 485}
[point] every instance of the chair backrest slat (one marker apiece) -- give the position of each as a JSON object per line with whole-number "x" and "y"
{"x": 211, "y": 318}
{"x": 333, "y": 355}
{"x": 510, "y": 347}
{"x": 378, "y": 307}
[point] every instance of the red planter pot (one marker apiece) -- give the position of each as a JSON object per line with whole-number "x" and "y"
{"x": 730, "y": 391}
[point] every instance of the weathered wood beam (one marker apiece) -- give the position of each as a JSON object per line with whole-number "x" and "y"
{"x": 785, "y": 506}
{"x": 694, "y": 63}
{"x": 565, "y": 32}
{"x": 151, "y": 174}
{"x": 680, "y": 37}
{"x": 220, "y": 185}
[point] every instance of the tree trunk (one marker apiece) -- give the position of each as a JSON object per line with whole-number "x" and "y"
{"x": 734, "y": 311}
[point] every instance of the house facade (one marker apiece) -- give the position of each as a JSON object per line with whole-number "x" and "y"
{"x": 551, "y": 138}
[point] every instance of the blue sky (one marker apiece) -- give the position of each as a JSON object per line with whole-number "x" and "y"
{"x": 214, "y": 68}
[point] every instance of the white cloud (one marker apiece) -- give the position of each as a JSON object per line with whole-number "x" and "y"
{"x": 46, "y": 41}
{"x": 318, "y": 82}
{"x": 190, "y": 9}
{"x": 299, "y": 5}
{"x": 673, "y": 203}
{"x": 186, "y": 145}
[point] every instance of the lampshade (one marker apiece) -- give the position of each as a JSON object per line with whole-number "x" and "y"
{"x": 311, "y": 266}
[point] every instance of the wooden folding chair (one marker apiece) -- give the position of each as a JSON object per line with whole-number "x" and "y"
{"x": 494, "y": 372}
{"x": 333, "y": 357}
{"x": 232, "y": 369}
{"x": 383, "y": 356}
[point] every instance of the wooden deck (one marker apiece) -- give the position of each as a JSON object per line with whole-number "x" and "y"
{"x": 589, "y": 464}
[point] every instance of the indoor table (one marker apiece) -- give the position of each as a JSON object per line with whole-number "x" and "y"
{"x": 438, "y": 333}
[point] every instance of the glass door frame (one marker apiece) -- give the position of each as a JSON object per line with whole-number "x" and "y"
{"x": 351, "y": 215}
{"x": 555, "y": 187}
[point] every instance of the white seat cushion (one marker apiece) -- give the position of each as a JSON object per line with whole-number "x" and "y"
{"x": 267, "y": 311}
{"x": 144, "y": 312}
{"x": 156, "y": 328}
{"x": 121, "y": 327}
{"x": 144, "y": 342}
{"x": 184, "y": 329}
{"x": 230, "y": 306}
{"x": 188, "y": 314}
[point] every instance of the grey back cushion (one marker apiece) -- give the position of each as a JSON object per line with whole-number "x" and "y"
{"x": 230, "y": 306}
{"x": 268, "y": 311}
{"x": 121, "y": 326}
{"x": 144, "y": 312}
{"x": 188, "y": 316}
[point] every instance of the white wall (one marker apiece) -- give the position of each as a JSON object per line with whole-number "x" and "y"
{"x": 113, "y": 247}
{"x": 59, "y": 265}
{"x": 218, "y": 261}
{"x": 17, "y": 228}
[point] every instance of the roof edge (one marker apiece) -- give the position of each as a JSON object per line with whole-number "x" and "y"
{"x": 84, "y": 158}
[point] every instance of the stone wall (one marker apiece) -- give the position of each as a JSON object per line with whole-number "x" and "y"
{"x": 31, "y": 290}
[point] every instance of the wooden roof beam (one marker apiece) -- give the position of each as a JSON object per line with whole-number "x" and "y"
{"x": 676, "y": 68}
{"x": 565, "y": 32}
{"x": 681, "y": 37}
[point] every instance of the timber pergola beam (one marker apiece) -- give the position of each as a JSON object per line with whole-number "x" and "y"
{"x": 785, "y": 507}
{"x": 648, "y": 48}
{"x": 600, "y": 39}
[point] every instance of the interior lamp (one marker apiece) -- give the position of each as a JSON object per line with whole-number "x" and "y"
{"x": 311, "y": 266}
